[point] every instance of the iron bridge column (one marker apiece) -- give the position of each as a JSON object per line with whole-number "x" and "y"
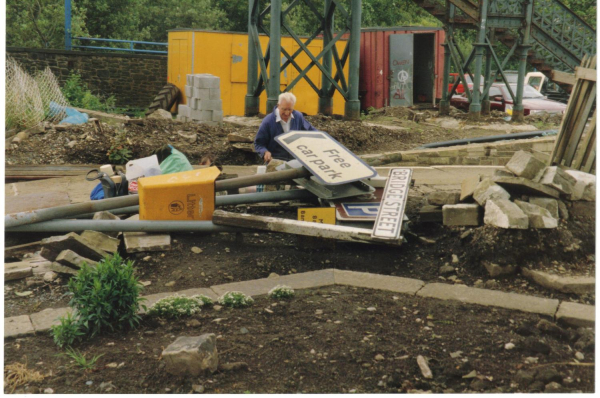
{"x": 352, "y": 111}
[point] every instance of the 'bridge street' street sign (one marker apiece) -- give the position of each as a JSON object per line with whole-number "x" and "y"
{"x": 329, "y": 161}
{"x": 388, "y": 223}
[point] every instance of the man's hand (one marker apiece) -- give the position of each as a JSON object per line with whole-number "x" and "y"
{"x": 267, "y": 156}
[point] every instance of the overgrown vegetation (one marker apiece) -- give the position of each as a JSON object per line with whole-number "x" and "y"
{"x": 174, "y": 307}
{"x": 105, "y": 298}
{"x": 81, "y": 360}
{"x": 78, "y": 94}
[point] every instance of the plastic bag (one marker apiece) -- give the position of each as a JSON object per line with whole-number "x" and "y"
{"x": 74, "y": 117}
{"x": 175, "y": 163}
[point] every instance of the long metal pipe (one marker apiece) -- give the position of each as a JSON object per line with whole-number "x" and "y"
{"x": 52, "y": 213}
{"x": 491, "y": 138}
{"x": 124, "y": 226}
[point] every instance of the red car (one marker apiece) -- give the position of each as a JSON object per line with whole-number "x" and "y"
{"x": 500, "y": 100}
{"x": 460, "y": 88}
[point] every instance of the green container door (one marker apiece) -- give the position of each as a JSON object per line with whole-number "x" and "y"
{"x": 401, "y": 69}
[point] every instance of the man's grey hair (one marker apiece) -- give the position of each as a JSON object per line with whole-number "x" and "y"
{"x": 287, "y": 97}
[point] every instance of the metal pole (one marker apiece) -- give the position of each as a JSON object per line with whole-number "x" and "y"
{"x": 517, "y": 113}
{"x": 352, "y": 111}
{"x": 124, "y": 226}
{"x": 252, "y": 106}
{"x": 325, "y": 99}
{"x": 485, "y": 104}
{"x": 449, "y": 27}
{"x": 68, "y": 46}
{"x": 35, "y": 216}
{"x": 273, "y": 86}
{"x": 475, "y": 107}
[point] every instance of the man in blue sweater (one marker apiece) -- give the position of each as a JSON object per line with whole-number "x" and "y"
{"x": 282, "y": 120}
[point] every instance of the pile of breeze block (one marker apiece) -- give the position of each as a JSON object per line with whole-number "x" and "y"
{"x": 204, "y": 104}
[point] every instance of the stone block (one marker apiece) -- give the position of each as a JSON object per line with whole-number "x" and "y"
{"x": 189, "y": 79}
{"x": 575, "y": 314}
{"x": 549, "y": 204}
{"x": 212, "y": 105}
{"x": 522, "y": 186}
{"x": 496, "y": 269}
{"x": 136, "y": 242}
{"x": 585, "y": 186}
{"x": 467, "y": 187}
{"x": 193, "y": 104}
{"x": 201, "y": 94}
{"x": 188, "y": 91}
{"x": 69, "y": 258}
{"x": 491, "y": 298}
{"x": 461, "y": 214}
{"x": 17, "y": 326}
{"x": 51, "y": 247}
{"x": 431, "y": 214}
{"x": 206, "y": 116}
{"x": 503, "y": 213}
{"x": 379, "y": 282}
{"x": 563, "y": 212}
{"x": 44, "y": 320}
{"x": 215, "y": 94}
{"x": 192, "y": 356}
{"x": 61, "y": 269}
{"x": 189, "y": 137}
{"x": 503, "y": 173}
{"x": 440, "y": 198}
{"x": 217, "y": 116}
{"x": 583, "y": 209}
{"x": 183, "y": 110}
{"x": 558, "y": 179}
{"x": 488, "y": 189}
{"x": 106, "y": 215}
{"x": 524, "y": 164}
{"x": 207, "y": 81}
{"x": 565, "y": 284}
{"x": 101, "y": 241}
{"x": 538, "y": 216}
{"x": 195, "y": 114}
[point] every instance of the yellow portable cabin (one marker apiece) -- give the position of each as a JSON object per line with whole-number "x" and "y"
{"x": 225, "y": 54}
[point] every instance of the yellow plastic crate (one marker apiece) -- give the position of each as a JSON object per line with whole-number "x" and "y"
{"x": 189, "y": 195}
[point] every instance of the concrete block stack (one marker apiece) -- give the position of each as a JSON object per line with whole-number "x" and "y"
{"x": 204, "y": 104}
{"x": 527, "y": 194}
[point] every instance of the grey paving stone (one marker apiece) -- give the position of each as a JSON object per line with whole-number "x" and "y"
{"x": 43, "y": 320}
{"x": 380, "y": 282}
{"x": 18, "y": 326}
{"x": 307, "y": 280}
{"x": 256, "y": 287}
{"x": 151, "y": 299}
{"x": 491, "y": 298}
{"x": 202, "y": 290}
{"x": 576, "y": 314}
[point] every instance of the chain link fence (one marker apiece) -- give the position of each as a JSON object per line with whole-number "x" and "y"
{"x": 31, "y": 100}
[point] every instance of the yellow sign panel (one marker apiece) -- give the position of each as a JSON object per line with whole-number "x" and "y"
{"x": 323, "y": 215}
{"x": 185, "y": 196}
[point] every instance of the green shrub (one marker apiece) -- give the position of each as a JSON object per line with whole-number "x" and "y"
{"x": 67, "y": 332}
{"x": 177, "y": 306}
{"x": 78, "y": 94}
{"x": 106, "y": 297}
{"x": 119, "y": 154}
{"x": 81, "y": 360}
{"x": 235, "y": 300}
{"x": 281, "y": 292}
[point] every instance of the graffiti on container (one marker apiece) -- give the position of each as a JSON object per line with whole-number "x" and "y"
{"x": 400, "y": 63}
{"x": 403, "y": 79}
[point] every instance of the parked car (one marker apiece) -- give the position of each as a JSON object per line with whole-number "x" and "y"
{"x": 500, "y": 100}
{"x": 460, "y": 88}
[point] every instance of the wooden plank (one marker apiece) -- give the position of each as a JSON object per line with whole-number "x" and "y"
{"x": 585, "y": 142}
{"x": 17, "y": 252}
{"x": 580, "y": 122}
{"x": 562, "y": 77}
{"x": 34, "y": 201}
{"x": 325, "y": 231}
{"x": 585, "y": 73}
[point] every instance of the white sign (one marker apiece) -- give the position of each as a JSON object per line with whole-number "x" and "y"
{"x": 388, "y": 223}
{"x": 328, "y": 160}
{"x": 144, "y": 167}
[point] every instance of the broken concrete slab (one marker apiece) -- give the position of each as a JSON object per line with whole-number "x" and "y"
{"x": 467, "y": 187}
{"x": 11, "y": 274}
{"x": 491, "y": 298}
{"x": 44, "y": 320}
{"x": 496, "y": 269}
{"x": 522, "y": 186}
{"x": 538, "y": 216}
{"x": 488, "y": 189}
{"x": 558, "y": 179}
{"x": 464, "y": 214}
{"x": 17, "y": 326}
{"x": 17, "y": 252}
{"x": 565, "y": 284}
{"x": 585, "y": 186}
{"x": 101, "y": 241}
{"x": 503, "y": 213}
{"x": 69, "y": 258}
{"x": 54, "y": 245}
{"x": 440, "y": 198}
{"x": 61, "y": 269}
{"x": 547, "y": 203}
{"x": 136, "y": 242}
{"x": 525, "y": 165}
{"x": 431, "y": 214}
{"x": 192, "y": 356}
{"x": 575, "y": 314}
{"x": 380, "y": 282}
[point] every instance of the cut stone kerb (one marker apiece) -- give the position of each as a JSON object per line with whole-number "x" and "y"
{"x": 505, "y": 214}
{"x": 538, "y": 216}
{"x": 525, "y": 165}
{"x": 488, "y": 189}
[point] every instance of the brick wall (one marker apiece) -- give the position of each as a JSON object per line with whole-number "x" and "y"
{"x": 485, "y": 154}
{"x": 134, "y": 79}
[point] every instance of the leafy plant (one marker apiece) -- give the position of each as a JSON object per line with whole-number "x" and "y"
{"x": 106, "y": 297}
{"x": 177, "y": 306}
{"x": 81, "y": 360}
{"x": 119, "y": 154}
{"x": 67, "y": 332}
{"x": 281, "y": 292}
{"x": 79, "y": 95}
{"x": 235, "y": 300}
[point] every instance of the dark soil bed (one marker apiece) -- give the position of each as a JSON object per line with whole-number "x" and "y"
{"x": 329, "y": 340}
